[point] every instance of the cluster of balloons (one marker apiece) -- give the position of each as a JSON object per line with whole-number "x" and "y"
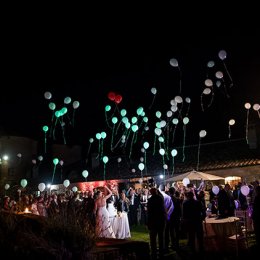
{"x": 117, "y": 98}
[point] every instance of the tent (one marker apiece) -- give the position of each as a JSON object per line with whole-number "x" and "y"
{"x": 195, "y": 175}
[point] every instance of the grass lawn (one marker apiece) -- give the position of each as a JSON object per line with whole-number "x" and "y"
{"x": 140, "y": 233}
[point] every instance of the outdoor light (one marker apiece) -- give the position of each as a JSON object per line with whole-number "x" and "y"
{"x": 161, "y": 176}
{"x": 48, "y": 186}
{"x": 5, "y": 157}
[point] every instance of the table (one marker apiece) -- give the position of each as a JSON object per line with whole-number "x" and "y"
{"x": 120, "y": 226}
{"x": 216, "y": 231}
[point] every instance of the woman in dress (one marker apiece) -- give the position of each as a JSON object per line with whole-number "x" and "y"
{"x": 103, "y": 225}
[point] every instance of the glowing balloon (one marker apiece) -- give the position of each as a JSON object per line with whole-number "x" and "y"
{"x": 45, "y": 128}
{"x": 211, "y": 64}
{"x": 185, "y": 120}
{"x": 173, "y": 102}
{"x": 111, "y": 96}
{"x": 245, "y": 190}
{"x": 75, "y": 104}
{"x": 222, "y": 54}
{"x": 178, "y": 99}
{"x": 202, "y": 133}
{"x": 219, "y": 75}
{"x": 169, "y": 113}
{"x": 103, "y": 135}
{"x": 218, "y": 83}
{"x": 186, "y": 181}
{"x": 134, "y": 120}
{"x": 247, "y": 105}
{"x": 231, "y": 122}
{"x": 174, "y": 152}
{"x": 256, "y": 107}
{"x": 146, "y": 145}
{"x": 19, "y": 155}
{"x": 52, "y": 106}
{"x": 175, "y": 121}
{"x": 215, "y": 189}
{"x": 61, "y": 162}
{"x": 141, "y": 166}
{"x": 158, "y": 114}
{"x": 154, "y": 90}
{"x": 55, "y": 161}
{"x": 91, "y": 140}
{"x": 74, "y": 189}
{"x": 67, "y": 100}
{"x": 118, "y": 99}
{"x": 133, "y": 170}
{"x": 165, "y": 166}
{"x": 162, "y": 151}
{"x": 161, "y": 139}
{"x": 141, "y": 159}
{"x": 66, "y": 183}
{"x": 34, "y": 161}
{"x": 139, "y": 111}
{"x": 142, "y": 150}
{"x": 158, "y": 131}
{"x": 119, "y": 159}
{"x": 134, "y": 128}
{"x": 105, "y": 159}
{"x": 7, "y": 186}
{"x": 158, "y": 124}
{"x": 40, "y": 158}
{"x": 208, "y": 83}
{"x": 107, "y": 108}
{"x": 145, "y": 119}
{"x": 188, "y": 100}
{"x": 162, "y": 123}
{"x": 114, "y": 120}
{"x": 207, "y": 91}
{"x": 123, "y": 112}
{"x": 47, "y": 95}
{"x": 41, "y": 187}
{"x": 174, "y": 62}
{"x": 57, "y": 114}
{"x": 23, "y": 183}
{"x": 85, "y": 173}
{"x": 98, "y": 136}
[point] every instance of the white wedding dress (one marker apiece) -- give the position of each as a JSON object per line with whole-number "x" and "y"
{"x": 111, "y": 210}
{"x": 103, "y": 224}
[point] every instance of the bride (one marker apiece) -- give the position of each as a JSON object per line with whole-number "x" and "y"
{"x": 103, "y": 225}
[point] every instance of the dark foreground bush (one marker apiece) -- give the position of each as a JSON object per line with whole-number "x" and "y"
{"x": 35, "y": 237}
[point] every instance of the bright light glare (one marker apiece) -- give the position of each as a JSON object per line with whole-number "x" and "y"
{"x": 48, "y": 186}
{"x": 161, "y": 176}
{"x": 5, "y": 157}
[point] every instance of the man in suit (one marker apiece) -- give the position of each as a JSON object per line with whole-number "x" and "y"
{"x": 134, "y": 203}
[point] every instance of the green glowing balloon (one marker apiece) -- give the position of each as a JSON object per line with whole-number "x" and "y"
{"x": 52, "y": 106}
{"x": 125, "y": 120}
{"x": 134, "y": 120}
{"x": 23, "y": 183}
{"x": 146, "y": 145}
{"x": 67, "y": 100}
{"x": 85, "y": 173}
{"x": 123, "y": 112}
{"x": 158, "y": 114}
{"x": 134, "y": 128}
{"x": 57, "y": 114}
{"x": 161, "y": 139}
{"x": 143, "y": 113}
{"x": 64, "y": 110}
{"x": 45, "y": 128}
{"x": 158, "y": 124}
{"x": 107, "y": 108}
{"x": 98, "y": 136}
{"x": 103, "y": 135}
{"x": 127, "y": 125}
{"x": 55, "y": 161}
{"x": 139, "y": 111}
{"x": 105, "y": 159}
{"x": 145, "y": 119}
{"x": 114, "y": 120}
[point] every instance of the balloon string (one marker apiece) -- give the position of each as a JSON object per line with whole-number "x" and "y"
{"x": 118, "y": 127}
{"x": 229, "y": 131}
{"x": 152, "y": 101}
{"x": 63, "y": 132}
{"x": 212, "y": 97}
{"x": 107, "y": 119}
{"x": 45, "y": 142}
{"x": 172, "y": 165}
{"x": 52, "y": 118}
{"x": 145, "y": 162}
{"x": 167, "y": 139}
{"x": 135, "y": 137}
{"x": 144, "y": 128}
{"x": 127, "y": 136}
{"x": 98, "y": 149}
{"x": 183, "y": 147}
{"x": 104, "y": 171}
{"x": 73, "y": 117}
{"x": 231, "y": 81}
{"x": 225, "y": 89}
{"x": 154, "y": 144}
{"x": 247, "y": 116}
{"x": 61, "y": 173}
{"x": 130, "y": 153}
{"x": 180, "y": 78}
{"x": 201, "y": 102}
{"x": 53, "y": 174}
{"x": 198, "y": 155}
{"x": 188, "y": 109}
{"x": 112, "y": 138}
{"x": 53, "y": 133}
{"x": 88, "y": 152}
{"x": 101, "y": 153}
{"x": 118, "y": 142}
{"x": 258, "y": 113}
{"x": 173, "y": 134}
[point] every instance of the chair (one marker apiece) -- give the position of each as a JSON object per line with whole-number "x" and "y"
{"x": 238, "y": 241}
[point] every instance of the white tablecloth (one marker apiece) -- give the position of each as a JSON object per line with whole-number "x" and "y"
{"x": 120, "y": 226}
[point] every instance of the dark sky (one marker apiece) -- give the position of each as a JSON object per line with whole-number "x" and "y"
{"x": 129, "y": 63}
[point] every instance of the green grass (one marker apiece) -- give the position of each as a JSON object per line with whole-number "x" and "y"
{"x": 140, "y": 233}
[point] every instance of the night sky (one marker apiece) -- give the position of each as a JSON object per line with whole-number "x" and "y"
{"x": 130, "y": 63}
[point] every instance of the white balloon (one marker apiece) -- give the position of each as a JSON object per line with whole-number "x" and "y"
{"x": 202, "y": 133}
{"x": 141, "y": 159}
{"x": 174, "y": 108}
{"x": 133, "y": 170}
{"x": 67, "y": 100}
{"x": 142, "y": 150}
{"x": 218, "y": 83}
{"x": 47, "y": 95}
{"x": 207, "y": 91}
{"x": 165, "y": 166}
{"x": 178, "y": 99}
{"x": 158, "y": 131}
{"x": 169, "y": 113}
{"x": 41, "y": 187}
{"x": 211, "y": 64}
{"x": 219, "y": 75}
{"x": 141, "y": 166}
{"x": 163, "y": 123}
{"x": 19, "y": 155}
{"x": 34, "y": 161}
{"x": 215, "y": 189}
{"x": 66, "y": 183}
{"x": 40, "y": 158}
{"x": 119, "y": 159}
{"x": 247, "y": 105}
{"x": 231, "y": 122}
{"x": 174, "y": 62}
{"x": 7, "y": 186}
{"x": 85, "y": 173}
{"x": 154, "y": 90}
{"x": 61, "y": 162}
{"x": 188, "y": 100}
{"x": 173, "y": 102}
{"x": 208, "y": 83}
{"x": 186, "y": 181}
{"x": 185, "y": 120}
{"x": 162, "y": 151}
{"x": 245, "y": 190}
{"x": 75, "y": 104}
{"x": 256, "y": 107}
{"x": 174, "y": 152}
{"x": 74, "y": 189}
{"x": 175, "y": 121}
{"x": 222, "y": 54}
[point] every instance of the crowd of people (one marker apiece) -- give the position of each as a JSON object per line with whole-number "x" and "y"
{"x": 166, "y": 210}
